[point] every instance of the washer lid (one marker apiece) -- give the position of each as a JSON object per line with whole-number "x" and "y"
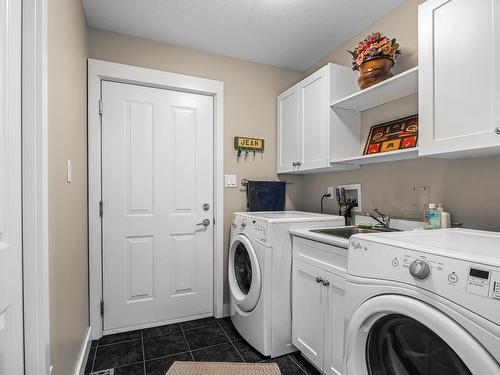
{"x": 408, "y": 336}
{"x": 289, "y": 216}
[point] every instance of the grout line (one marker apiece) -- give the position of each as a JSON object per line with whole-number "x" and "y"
{"x": 118, "y": 342}
{"x": 187, "y": 343}
{"x": 209, "y": 347}
{"x": 120, "y": 366}
{"x": 166, "y": 356}
{"x": 298, "y": 364}
{"x": 143, "y": 354}
{"x": 237, "y": 351}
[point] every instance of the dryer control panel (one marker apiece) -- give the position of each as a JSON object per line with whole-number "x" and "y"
{"x": 472, "y": 285}
{"x": 253, "y": 227}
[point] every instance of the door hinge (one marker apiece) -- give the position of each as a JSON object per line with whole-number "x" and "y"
{"x": 102, "y": 308}
{"x": 100, "y": 107}
{"x": 100, "y": 209}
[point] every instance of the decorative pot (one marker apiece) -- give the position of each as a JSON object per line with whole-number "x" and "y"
{"x": 374, "y": 70}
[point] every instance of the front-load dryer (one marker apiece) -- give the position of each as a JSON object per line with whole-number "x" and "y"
{"x": 259, "y": 274}
{"x": 423, "y": 303}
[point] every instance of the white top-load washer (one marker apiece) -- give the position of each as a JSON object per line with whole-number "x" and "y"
{"x": 259, "y": 273}
{"x": 423, "y": 303}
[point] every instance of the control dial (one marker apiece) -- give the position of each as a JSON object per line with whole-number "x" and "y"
{"x": 420, "y": 269}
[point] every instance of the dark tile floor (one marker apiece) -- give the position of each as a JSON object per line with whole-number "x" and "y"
{"x": 152, "y": 351}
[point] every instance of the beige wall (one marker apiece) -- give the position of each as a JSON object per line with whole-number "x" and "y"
{"x": 250, "y": 92}
{"x": 469, "y": 189}
{"x": 67, "y": 85}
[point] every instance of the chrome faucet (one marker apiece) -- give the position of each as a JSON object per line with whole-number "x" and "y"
{"x": 383, "y": 219}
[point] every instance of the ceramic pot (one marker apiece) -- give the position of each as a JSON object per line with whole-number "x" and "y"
{"x": 374, "y": 70}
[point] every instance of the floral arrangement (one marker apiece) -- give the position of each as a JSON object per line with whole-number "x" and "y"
{"x": 374, "y": 45}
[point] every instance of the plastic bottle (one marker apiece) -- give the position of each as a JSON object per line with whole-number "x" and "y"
{"x": 445, "y": 217}
{"x": 432, "y": 217}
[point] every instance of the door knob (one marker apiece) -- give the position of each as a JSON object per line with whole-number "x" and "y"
{"x": 204, "y": 223}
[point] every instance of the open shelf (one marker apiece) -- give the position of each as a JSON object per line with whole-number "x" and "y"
{"x": 409, "y": 153}
{"x": 394, "y": 88}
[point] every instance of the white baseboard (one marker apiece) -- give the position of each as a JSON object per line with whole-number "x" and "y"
{"x": 84, "y": 353}
{"x": 226, "y": 310}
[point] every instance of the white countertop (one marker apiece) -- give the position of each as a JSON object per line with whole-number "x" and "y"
{"x": 323, "y": 238}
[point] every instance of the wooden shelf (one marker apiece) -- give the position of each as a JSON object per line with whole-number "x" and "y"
{"x": 394, "y": 88}
{"x": 410, "y": 153}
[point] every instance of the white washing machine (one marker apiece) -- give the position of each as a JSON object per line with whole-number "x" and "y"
{"x": 259, "y": 273}
{"x": 423, "y": 303}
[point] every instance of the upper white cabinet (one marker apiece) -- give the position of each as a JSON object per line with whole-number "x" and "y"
{"x": 288, "y": 136}
{"x": 459, "y": 78}
{"x": 305, "y": 122}
{"x": 313, "y": 94}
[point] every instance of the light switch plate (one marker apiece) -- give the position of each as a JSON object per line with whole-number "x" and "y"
{"x": 230, "y": 180}
{"x": 69, "y": 172}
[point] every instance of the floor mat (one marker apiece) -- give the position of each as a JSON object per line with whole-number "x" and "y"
{"x": 223, "y": 368}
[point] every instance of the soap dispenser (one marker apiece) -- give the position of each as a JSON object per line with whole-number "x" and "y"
{"x": 432, "y": 217}
{"x": 445, "y": 217}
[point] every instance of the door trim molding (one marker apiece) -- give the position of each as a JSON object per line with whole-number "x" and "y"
{"x": 103, "y": 70}
{"x": 35, "y": 187}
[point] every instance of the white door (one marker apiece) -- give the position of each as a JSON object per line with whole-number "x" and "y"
{"x": 308, "y": 311}
{"x": 157, "y": 190}
{"x": 314, "y": 120}
{"x": 458, "y": 94}
{"x": 334, "y": 325}
{"x": 11, "y": 283}
{"x": 288, "y": 130}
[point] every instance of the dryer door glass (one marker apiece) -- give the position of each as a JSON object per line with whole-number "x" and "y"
{"x": 242, "y": 268}
{"x": 399, "y": 345}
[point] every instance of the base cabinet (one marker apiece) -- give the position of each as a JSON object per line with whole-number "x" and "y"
{"x": 317, "y": 310}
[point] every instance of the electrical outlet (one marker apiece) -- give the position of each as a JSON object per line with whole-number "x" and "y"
{"x": 331, "y": 191}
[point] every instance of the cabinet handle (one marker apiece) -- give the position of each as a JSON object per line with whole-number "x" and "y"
{"x": 319, "y": 280}
{"x": 325, "y": 282}
{"x": 497, "y": 130}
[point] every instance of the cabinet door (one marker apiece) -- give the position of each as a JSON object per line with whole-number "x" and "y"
{"x": 314, "y": 120}
{"x": 459, "y": 78}
{"x": 334, "y": 325}
{"x": 288, "y": 130}
{"x": 308, "y": 309}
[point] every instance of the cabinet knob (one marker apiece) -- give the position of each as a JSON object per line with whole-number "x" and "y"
{"x": 319, "y": 280}
{"x": 497, "y": 130}
{"x": 294, "y": 164}
{"x": 299, "y": 163}
{"x": 325, "y": 282}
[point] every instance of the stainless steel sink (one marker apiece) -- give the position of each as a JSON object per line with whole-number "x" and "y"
{"x": 347, "y": 232}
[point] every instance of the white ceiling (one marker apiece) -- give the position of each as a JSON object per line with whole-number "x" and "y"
{"x": 287, "y": 33}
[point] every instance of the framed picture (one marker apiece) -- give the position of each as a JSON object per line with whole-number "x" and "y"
{"x": 393, "y": 135}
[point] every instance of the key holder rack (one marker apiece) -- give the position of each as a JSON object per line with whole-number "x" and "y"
{"x": 246, "y": 144}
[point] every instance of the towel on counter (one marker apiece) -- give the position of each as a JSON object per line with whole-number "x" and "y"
{"x": 266, "y": 196}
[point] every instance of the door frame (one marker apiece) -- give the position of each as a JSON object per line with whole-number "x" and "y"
{"x": 103, "y": 70}
{"x": 34, "y": 99}
{"x": 35, "y": 187}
